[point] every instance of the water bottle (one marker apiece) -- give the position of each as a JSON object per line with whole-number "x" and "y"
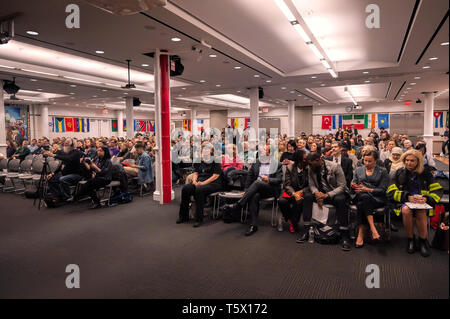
{"x": 311, "y": 235}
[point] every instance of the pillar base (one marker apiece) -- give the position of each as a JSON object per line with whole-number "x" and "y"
{"x": 157, "y": 196}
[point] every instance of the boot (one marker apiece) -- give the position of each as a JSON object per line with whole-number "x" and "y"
{"x": 411, "y": 248}
{"x": 424, "y": 247}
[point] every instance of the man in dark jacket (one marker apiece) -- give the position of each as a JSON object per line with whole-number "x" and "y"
{"x": 345, "y": 162}
{"x": 263, "y": 181}
{"x": 327, "y": 183}
{"x": 69, "y": 170}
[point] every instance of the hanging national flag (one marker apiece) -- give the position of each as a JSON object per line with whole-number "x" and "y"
{"x": 143, "y": 126}
{"x": 247, "y": 123}
{"x": 438, "y": 119}
{"x": 124, "y": 125}
{"x": 347, "y": 121}
{"x": 200, "y": 125}
{"x": 114, "y": 126}
{"x": 383, "y": 120}
{"x": 446, "y": 121}
{"x": 79, "y": 124}
{"x": 58, "y": 126}
{"x": 187, "y": 125}
{"x": 326, "y": 122}
{"x": 359, "y": 121}
{"x": 69, "y": 124}
{"x": 372, "y": 121}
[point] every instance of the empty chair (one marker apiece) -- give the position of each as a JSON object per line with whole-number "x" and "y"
{"x": 12, "y": 174}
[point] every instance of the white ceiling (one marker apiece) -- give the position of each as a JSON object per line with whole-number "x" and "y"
{"x": 252, "y": 34}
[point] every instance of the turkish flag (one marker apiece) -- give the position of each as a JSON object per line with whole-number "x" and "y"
{"x": 326, "y": 122}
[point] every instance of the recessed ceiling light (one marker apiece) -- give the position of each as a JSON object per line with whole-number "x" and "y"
{"x": 73, "y": 85}
{"x": 94, "y": 96}
{"x": 299, "y": 95}
{"x": 444, "y": 43}
{"x": 99, "y": 52}
{"x": 292, "y": 92}
{"x": 32, "y": 33}
{"x": 314, "y": 77}
{"x": 145, "y": 64}
{"x": 237, "y": 67}
{"x": 176, "y": 39}
{"x": 322, "y": 84}
{"x": 256, "y": 75}
{"x": 202, "y": 81}
{"x": 417, "y": 78}
{"x": 218, "y": 85}
{"x": 283, "y": 88}
{"x": 213, "y": 56}
{"x": 366, "y": 72}
{"x": 33, "y": 80}
{"x": 39, "y": 89}
{"x": 426, "y": 67}
{"x": 72, "y": 93}
{"x": 412, "y": 83}
{"x": 104, "y": 90}
{"x": 268, "y": 81}
{"x": 238, "y": 91}
{"x": 408, "y": 88}
{"x": 433, "y": 58}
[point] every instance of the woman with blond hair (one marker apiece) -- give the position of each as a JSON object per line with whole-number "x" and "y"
{"x": 413, "y": 184}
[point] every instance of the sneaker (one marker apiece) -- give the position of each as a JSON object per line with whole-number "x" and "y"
{"x": 291, "y": 228}
{"x": 280, "y": 226}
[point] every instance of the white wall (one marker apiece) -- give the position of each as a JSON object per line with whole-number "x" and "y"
{"x": 281, "y": 113}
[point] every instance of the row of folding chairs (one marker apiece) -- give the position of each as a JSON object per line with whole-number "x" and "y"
{"x": 18, "y": 174}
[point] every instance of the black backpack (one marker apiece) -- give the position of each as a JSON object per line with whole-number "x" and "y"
{"x": 326, "y": 235}
{"x": 52, "y": 201}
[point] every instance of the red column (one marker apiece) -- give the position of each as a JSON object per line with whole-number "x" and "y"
{"x": 165, "y": 129}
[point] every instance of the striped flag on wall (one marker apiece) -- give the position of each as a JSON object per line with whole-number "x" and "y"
{"x": 438, "y": 119}
{"x": 58, "y": 125}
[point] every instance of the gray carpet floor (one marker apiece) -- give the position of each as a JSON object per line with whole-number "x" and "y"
{"x": 137, "y": 251}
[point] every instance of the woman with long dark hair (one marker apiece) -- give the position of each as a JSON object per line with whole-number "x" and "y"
{"x": 295, "y": 189}
{"x": 101, "y": 175}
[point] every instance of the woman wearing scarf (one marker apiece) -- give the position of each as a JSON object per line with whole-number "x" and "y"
{"x": 394, "y": 161}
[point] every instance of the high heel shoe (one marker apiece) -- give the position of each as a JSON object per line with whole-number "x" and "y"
{"x": 376, "y": 240}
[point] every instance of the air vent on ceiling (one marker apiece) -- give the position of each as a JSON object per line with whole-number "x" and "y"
{"x": 126, "y": 7}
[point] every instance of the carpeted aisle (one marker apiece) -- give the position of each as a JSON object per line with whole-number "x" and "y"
{"x": 137, "y": 251}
